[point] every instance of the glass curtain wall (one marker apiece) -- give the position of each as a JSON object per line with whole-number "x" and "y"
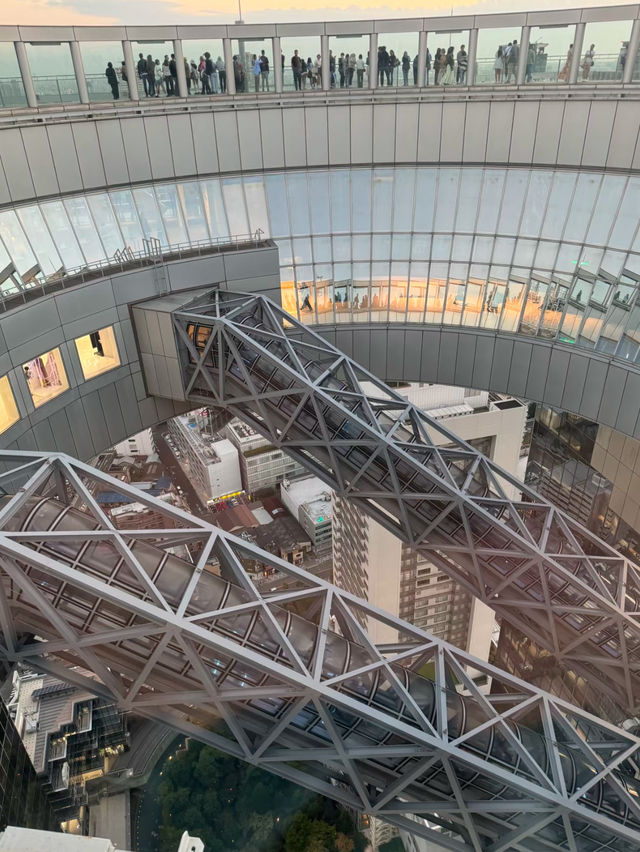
{"x": 397, "y": 59}
{"x": 102, "y": 85}
{"x": 253, "y": 65}
{"x": 498, "y": 54}
{"x": 346, "y": 53}
{"x": 447, "y": 55}
{"x": 54, "y": 79}
{"x": 308, "y": 48}
{"x": 153, "y": 68}
{"x": 604, "y": 51}
{"x": 11, "y": 88}
{"x": 552, "y": 53}
{"x": 206, "y": 75}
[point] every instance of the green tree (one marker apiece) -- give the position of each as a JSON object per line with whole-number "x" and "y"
{"x": 309, "y": 835}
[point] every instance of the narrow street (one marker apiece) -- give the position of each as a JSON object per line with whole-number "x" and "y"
{"x": 177, "y": 474}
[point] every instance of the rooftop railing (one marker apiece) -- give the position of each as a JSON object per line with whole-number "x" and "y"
{"x": 62, "y": 65}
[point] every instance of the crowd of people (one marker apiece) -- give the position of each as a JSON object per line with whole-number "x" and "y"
{"x": 251, "y": 72}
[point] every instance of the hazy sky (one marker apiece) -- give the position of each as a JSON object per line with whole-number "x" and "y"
{"x": 254, "y": 11}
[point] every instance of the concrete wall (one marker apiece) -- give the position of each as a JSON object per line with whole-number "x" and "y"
{"x": 41, "y": 157}
{"x": 102, "y": 411}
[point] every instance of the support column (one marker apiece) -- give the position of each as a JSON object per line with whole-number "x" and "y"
{"x": 132, "y": 71}
{"x": 632, "y": 53}
{"x": 78, "y": 70}
{"x": 325, "y": 70}
{"x": 278, "y": 80}
{"x": 373, "y": 60}
{"x": 524, "y": 53}
{"x": 183, "y": 91}
{"x": 472, "y": 57}
{"x": 422, "y": 57}
{"x": 576, "y": 60}
{"x": 25, "y": 73}
{"x": 228, "y": 64}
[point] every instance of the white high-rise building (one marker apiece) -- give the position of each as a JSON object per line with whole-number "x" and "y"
{"x": 140, "y": 444}
{"x": 371, "y": 562}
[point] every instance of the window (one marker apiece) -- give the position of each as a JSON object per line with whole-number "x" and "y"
{"x": 46, "y": 377}
{"x": 97, "y": 352}
{"x": 8, "y": 410}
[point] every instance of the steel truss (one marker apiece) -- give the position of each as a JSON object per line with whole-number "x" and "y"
{"x": 288, "y": 678}
{"x": 571, "y": 593}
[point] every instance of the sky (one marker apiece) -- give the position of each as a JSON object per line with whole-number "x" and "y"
{"x": 101, "y": 12}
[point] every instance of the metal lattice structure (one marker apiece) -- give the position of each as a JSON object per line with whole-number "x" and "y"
{"x": 534, "y": 565}
{"x": 172, "y": 624}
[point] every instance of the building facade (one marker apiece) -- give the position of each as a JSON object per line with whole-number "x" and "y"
{"x": 212, "y": 466}
{"x": 263, "y": 467}
{"x": 309, "y": 500}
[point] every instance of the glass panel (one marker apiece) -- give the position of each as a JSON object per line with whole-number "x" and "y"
{"x": 255, "y": 194}
{"x": 106, "y": 223}
{"x": 104, "y": 70}
{"x": 85, "y": 229}
{"x": 603, "y": 46}
{"x": 635, "y": 74}
{"x": 154, "y": 68}
{"x": 16, "y": 243}
{"x": 33, "y": 223}
{"x": 498, "y": 55}
{"x": 204, "y": 66}
{"x": 299, "y": 53}
{"x": 234, "y": 203}
{"x": 553, "y": 51}
{"x": 193, "y": 207}
{"x": 147, "y": 205}
{"x": 63, "y": 234}
{"x": 171, "y": 213}
{"x": 97, "y": 352}
{"x": 397, "y": 59}
{"x": 46, "y": 377}
{"x": 52, "y": 72}
{"x": 214, "y": 209}
{"x": 346, "y": 55}
{"x": 128, "y": 220}
{"x": 11, "y": 88}
{"x": 253, "y": 64}
{"x": 510, "y": 316}
{"x": 443, "y": 66}
{"x": 8, "y": 409}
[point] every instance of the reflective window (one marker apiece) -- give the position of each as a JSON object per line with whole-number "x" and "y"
{"x": 604, "y": 51}
{"x": 214, "y": 209}
{"x": 33, "y": 223}
{"x": 8, "y": 409}
{"x": 104, "y": 70}
{"x": 127, "y": 217}
{"x": 85, "y": 229}
{"x": 11, "y": 88}
{"x": 550, "y": 60}
{"x": 253, "y": 65}
{"x": 46, "y": 377}
{"x": 62, "y": 233}
{"x": 54, "y": 79}
{"x": 15, "y": 240}
{"x": 106, "y": 222}
{"x": 97, "y": 352}
{"x": 206, "y": 74}
{"x": 397, "y": 59}
{"x": 155, "y": 68}
{"x": 447, "y": 58}
{"x": 347, "y": 54}
{"x": 296, "y": 50}
{"x": 498, "y": 54}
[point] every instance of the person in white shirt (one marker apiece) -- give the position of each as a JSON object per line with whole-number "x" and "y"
{"x": 360, "y": 66}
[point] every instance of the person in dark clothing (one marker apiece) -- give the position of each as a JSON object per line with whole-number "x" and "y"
{"x": 341, "y": 70}
{"x": 173, "y": 70}
{"x": 112, "y": 79}
{"x": 383, "y": 65}
{"x": 415, "y": 70}
{"x": 296, "y": 67}
{"x": 143, "y": 73}
{"x": 209, "y": 71}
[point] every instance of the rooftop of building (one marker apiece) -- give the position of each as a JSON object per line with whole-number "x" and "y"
{"x": 311, "y": 493}
{"x": 207, "y": 448}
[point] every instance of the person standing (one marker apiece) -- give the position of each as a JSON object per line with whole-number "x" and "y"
{"x": 158, "y": 73}
{"x": 427, "y": 67}
{"x": 531, "y": 64}
{"x": 351, "y": 69}
{"x": 222, "y": 74}
{"x": 391, "y": 67}
{"x": 143, "y": 74}
{"x": 415, "y": 70}
{"x": 564, "y": 73}
{"x": 406, "y": 65}
{"x": 447, "y": 61}
{"x": 264, "y": 71}
{"x": 462, "y": 59}
{"x": 512, "y": 61}
{"x": 332, "y": 70}
{"x": 296, "y": 67}
{"x": 341, "y": 70}
{"x": 588, "y": 61}
{"x": 166, "y": 75}
{"x": 498, "y": 65}
{"x": 436, "y": 67}
{"x": 360, "y": 71}
{"x": 173, "y": 71}
{"x": 256, "y": 72}
{"x": 151, "y": 75}
{"x": 208, "y": 74}
{"x": 383, "y": 65}
{"x": 112, "y": 80}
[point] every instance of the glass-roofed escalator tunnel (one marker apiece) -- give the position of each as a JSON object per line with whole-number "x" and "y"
{"x": 373, "y": 690}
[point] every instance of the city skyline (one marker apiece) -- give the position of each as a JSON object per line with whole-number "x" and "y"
{"x": 138, "y": 12}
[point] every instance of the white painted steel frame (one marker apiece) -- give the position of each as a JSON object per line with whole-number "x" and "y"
{"x": 534, "y": 565}
{"x": 532, "y": 806}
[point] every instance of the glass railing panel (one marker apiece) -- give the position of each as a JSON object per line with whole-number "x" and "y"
{"x": 397, "y": 59}
{"x": 442, "y": 66}
{"x": 301, "y": 62}
{"x": 104, "y": 70}
{"x": 346, "y": 53}
{"x": 52, "y": 71}
{"x": 553, "y": 46}
{"x": 252, "y": 65}
{"x": 604, "y": 51}
{"x": 11, "y": 88}
{"x": 207, "y": 72}
{"x": 497, "y": 55}
{"x": 153, "y": 61}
